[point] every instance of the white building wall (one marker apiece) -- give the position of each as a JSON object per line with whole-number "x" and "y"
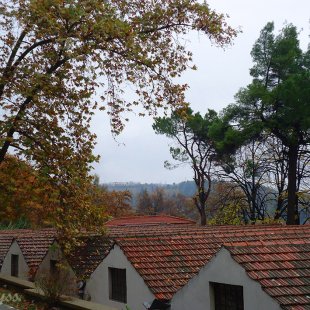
{"x": 67, "y": 274}
{"x": 23, "y": 269}
{"x": 54, "y": 253}
{"x": 98, "y": 284}
{"x": 197, "y": 294}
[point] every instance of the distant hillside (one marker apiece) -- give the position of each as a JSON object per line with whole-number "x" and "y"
{"x": 186, "y": 188}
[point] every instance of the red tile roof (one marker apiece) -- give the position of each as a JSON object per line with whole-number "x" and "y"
{"x": 14, "y": 232}
{"x": 5, "y": 243}
{"x": 148, "y": 230}
{"x": 84, "y": 259}
{"x": 167, "y": 259}
{"x": 23, "y": 232}
{"x": 283, "y": 270}
{"x": 34, "y": 244}
{"x": 167, "y": 263}
{"x": 176, "y": 229}
{"x": 148, "y": 220}
{"x": 34, "y": 248}
{"x": 168, "y": 254}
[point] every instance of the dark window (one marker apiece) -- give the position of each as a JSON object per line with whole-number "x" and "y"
{"x": 118, "y": 287}
{"x": 53, "y": 266}
{"x": 227, "y": 297}
{"x": 14, "y": 265}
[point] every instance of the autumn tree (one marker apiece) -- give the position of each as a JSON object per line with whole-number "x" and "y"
{"x": 178, "y": 204}
{"x": 56, "y": 55}
{"x": 24, "y": 194}
{"x": 161, "y": 201}
{"x": 29, "y": 198}
{"x": 144, "y": 203}
{"x": 193, "y": 146}
{"x": 228, "y": 205}
{"x": 277, "y": 100}
{"x": 53, "y": 52}
{"x": 112, "y": 203}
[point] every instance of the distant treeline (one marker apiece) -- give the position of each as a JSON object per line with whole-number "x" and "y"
{"x": 186, "y": 188}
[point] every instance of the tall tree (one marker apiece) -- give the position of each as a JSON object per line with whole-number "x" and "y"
{"x": 277, "y": 100}
{"x": 53, "y": 53}
{"x": 193, "y": 146}
{"x": 277, "y": 174}
{"x": 56, "y": 55}
{"x": 247, "y": 168}
{"x": 159, "y": 200}
{"x": 144, "y": 203}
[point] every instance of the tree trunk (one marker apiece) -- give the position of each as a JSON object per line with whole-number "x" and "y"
{"x": 292, "y": 207}
{"x": 202, "y": 211}
{"x": 297, "y": 219}
{"x": 4, "y": 149}
{"x": 253, "y": 204}
{"x": 280, "y": 202}
{"x": 203, "y": 218}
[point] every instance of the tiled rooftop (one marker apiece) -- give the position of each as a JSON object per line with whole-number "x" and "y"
{"x": 23, "y": 232}
{"x": 5, "y": 243}
{"x": 167, "y": 261}
{"x": 189, "y": 229}
{"x": 283, "y": 270}
{"x": 148, "y": 220}
{"x": 85, "y": 258}
{"x": 167, "y": 252}
{"x": 34, "y": 248}
{"x": 33, "y": 243}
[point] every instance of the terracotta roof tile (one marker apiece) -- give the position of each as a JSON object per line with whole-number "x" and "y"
{"x": 5, "y": 243}
{"x": 34, "y": 248}
{"x": 167, "y": 257}
{"x": 25, "y": 232}
{"x": 85, "y": 258}
{"x": 167, "y": 263}
{"x": 168, "y": 254}
{"x": 33, "y": 243}
{"x": 148, "y": 220}
{"x": 283, "y": 270}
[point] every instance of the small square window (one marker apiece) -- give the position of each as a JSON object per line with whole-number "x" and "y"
{"x": 227, "y": 297}
{"x": 14, "y": 265}
{"x": 53, "y": 267}
{"x": 117, "y": 285}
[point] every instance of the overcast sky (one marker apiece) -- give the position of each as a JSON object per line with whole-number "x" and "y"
{"x": 138, "y": 154}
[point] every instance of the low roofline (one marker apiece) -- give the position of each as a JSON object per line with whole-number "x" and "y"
{"x": 261, "y": 244}
{"x": 74, "y": 268}
{"x": 135, "y": 217}
{"x": 34, "y": 268}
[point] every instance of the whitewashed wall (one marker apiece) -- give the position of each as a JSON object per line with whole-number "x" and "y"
{"x": 98, "y": 284}
{"x": 23, "y": 269}
{"x": 54, "y": 253}
{"x": 197, "y": 294}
